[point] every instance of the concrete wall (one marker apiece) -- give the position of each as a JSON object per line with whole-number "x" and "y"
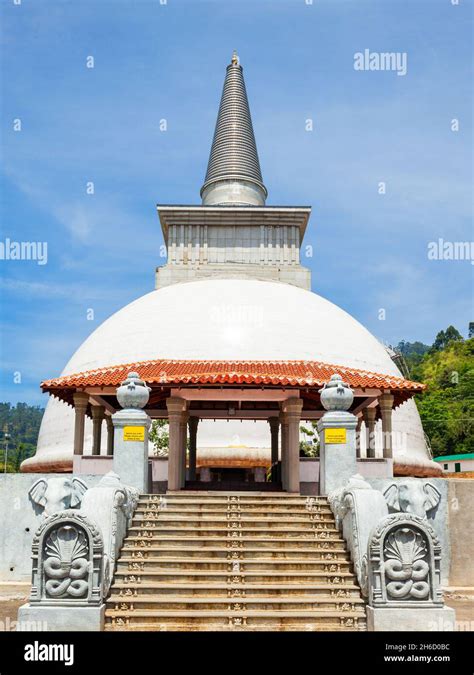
{"x": 19, "y": 519}
{"x": 461, "y": 530}
{"x": 369, "y": 468}
{"x": 295, "y": 275}
{"x": 92, "y": 465}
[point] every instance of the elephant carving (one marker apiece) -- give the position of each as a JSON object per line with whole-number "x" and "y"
{"x": 412, "y": 495}
{"x": 57, "y": 494}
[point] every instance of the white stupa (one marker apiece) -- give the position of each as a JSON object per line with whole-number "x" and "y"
{"x": 233, "y": 289}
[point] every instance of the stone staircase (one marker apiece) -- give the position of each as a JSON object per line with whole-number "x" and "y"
{"x": 237, "y": 561}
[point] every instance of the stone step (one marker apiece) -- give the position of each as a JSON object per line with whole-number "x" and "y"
{"x": 159, "y": 537}
{"x": 234, "y": 620}
{"x": 244, "y": 564}
{"x": 131, "y": 548}
{"x": 211, "y": 561}
{"x": 242, "y": 522}
{"x": 224, "y": 505}
{"x": 133, "y": 570}
{"x": 208, "y": 530}
{"x": 181, "y": 625}
{"x": 158, "y": 603}
{"x": 244, "y": 498}
{"x": 224, "y": 541}
{"x": 206, "y": 512}
{"x": 254, "y": 494}
{"x": 129, "y": 591}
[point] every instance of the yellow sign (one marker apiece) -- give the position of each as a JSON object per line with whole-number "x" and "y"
{"x": 335, "y": 436}
{"x": 134, "y": 433}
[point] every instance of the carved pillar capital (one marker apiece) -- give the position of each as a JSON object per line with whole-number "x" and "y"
{"x": 98, "y": 412}
{"x": 274, "y": 423}
{"x": 369, "y": 415}
{"x": 386, "y": 403}
{"x": 81, "y": 400}
{"x": 193, "y": 422}
{"x": 292, "y": 406}
{"x": 176, "y": 408}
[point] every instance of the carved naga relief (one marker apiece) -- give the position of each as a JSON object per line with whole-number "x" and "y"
{"x": 67, "y": 554}
{"x": 404, "y": 559}
{"x": 66, "y": 566}
{"x": 406, "y": 567}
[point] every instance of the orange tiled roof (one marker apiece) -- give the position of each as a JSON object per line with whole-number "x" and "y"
{"x": 282, "y": 373}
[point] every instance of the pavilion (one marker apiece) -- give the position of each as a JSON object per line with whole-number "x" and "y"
{"x": 185, "y": 392}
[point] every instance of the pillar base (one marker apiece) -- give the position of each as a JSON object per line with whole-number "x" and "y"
{"x": 410, "y": 619}
{"x": 338, "y": 461}
{"x": 61, "y": 618}
{"x": 131, "y": 456}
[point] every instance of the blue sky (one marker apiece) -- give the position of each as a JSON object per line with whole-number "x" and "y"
{"x": 155, "y": 61}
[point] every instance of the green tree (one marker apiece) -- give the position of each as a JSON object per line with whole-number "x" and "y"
{"x": 445, "y": 337}
{"x": 160, "y": 437}
{"x": 447, "y": 405}
{"x": 21, "y": 422}
{"x": 309, "y": 445}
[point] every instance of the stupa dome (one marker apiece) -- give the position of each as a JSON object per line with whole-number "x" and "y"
{"x": 228, "y": 319}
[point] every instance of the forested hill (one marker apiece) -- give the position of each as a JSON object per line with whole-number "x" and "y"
{"x": 447, "y": 406}
{"x": 19, "y": 425}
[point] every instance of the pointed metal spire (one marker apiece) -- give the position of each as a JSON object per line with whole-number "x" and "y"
{"x": 233, "y": 173}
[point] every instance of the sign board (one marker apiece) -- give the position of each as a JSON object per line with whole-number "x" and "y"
{"x": 336, "y": 436}
{"x": 134, "y": 433}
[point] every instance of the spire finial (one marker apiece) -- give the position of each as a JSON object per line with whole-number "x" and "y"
{"x": 233, "y": 173}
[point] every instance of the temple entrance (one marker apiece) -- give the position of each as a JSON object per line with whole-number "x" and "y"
{"x": 234, "y": 480}
{"x": 187, "y": 394}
